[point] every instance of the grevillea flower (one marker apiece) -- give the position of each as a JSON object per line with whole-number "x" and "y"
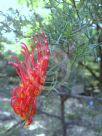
{"x": 32, "y": 73}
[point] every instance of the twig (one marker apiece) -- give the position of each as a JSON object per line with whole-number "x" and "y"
{"x": 90, "y": 70}
{"x": 14, "y": 126}
{"x": 76, "y": 9}
{"x": 79, "y": 29}
{"x": 87, "y": 98}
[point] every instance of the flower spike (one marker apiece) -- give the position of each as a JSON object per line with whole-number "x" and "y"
{"x": 32, "y": 75}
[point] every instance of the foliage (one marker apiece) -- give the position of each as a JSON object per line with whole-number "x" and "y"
{"x": 74, "y": 32}
{"x": 73, "y": 27}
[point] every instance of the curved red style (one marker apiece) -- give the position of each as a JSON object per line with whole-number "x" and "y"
{"x": 32, "y": 73}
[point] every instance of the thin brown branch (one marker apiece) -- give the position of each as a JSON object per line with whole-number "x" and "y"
{"x": 90, "y": 70}
{"x": 86, "y": 98}
{"x": 77, "y": 12}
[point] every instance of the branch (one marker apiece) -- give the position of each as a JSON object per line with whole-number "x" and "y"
{"x": 80, "y": 29}
{"x": 13, "y": 127}
{"x": 14, "y": 30}
{"x": 22, "y": 121}
{"x": 90, "y": 70}
{"x": 87, "y": 98}
{"x": 76, "y": 9}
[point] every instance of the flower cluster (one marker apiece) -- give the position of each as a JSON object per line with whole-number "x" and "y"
{"x": 32, "y": 73}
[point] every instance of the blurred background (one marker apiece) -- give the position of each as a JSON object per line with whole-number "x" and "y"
{"x": 71, "y": 101}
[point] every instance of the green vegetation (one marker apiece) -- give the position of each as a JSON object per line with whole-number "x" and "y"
{"x": 74, "y": 32}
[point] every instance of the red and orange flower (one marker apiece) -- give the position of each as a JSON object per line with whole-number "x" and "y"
{"x": 32, "y": 75}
